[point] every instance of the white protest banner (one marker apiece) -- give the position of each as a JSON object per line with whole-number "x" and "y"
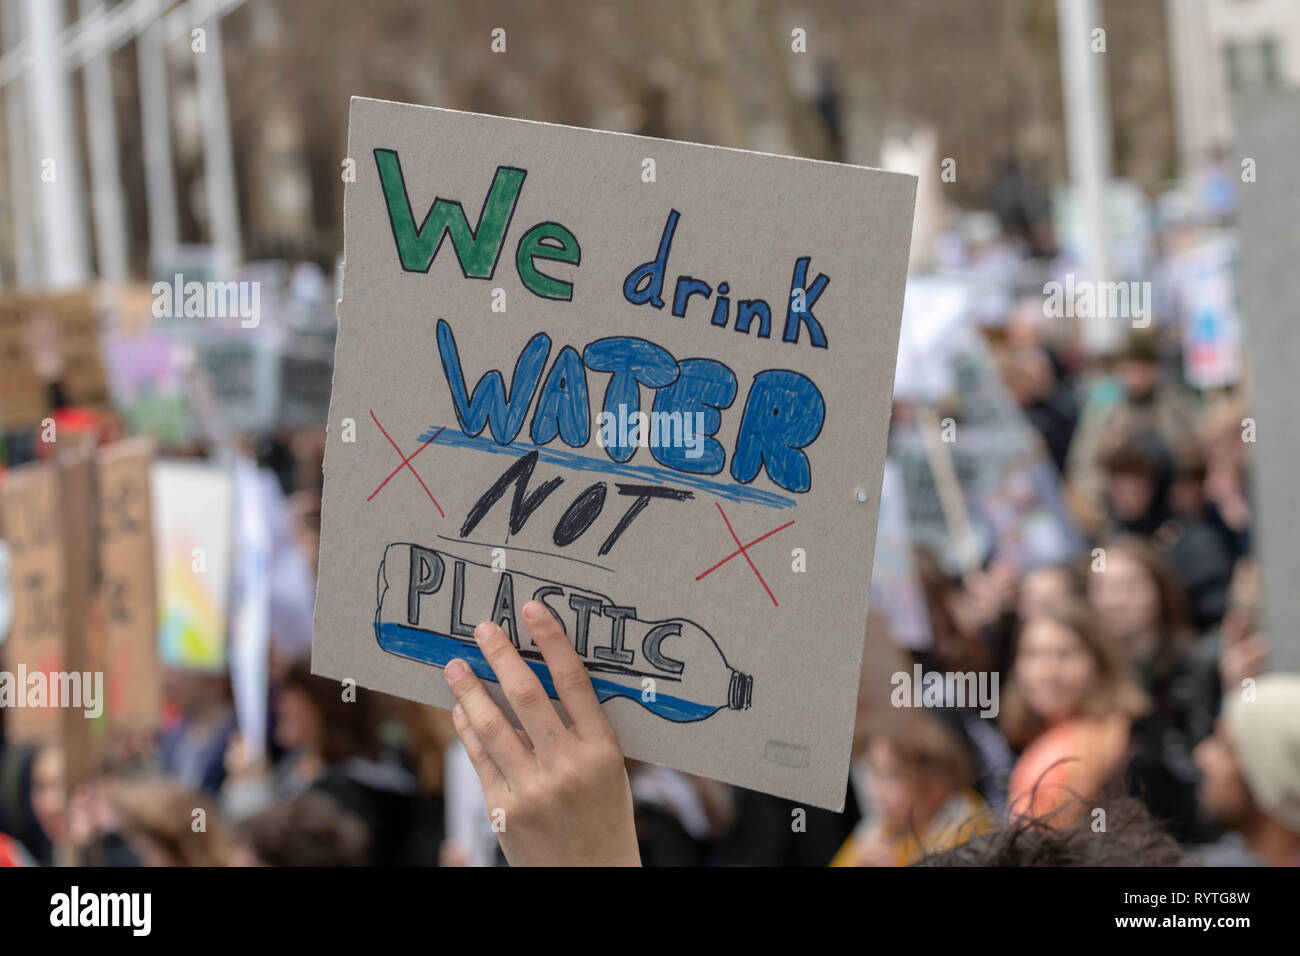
{"x": 645, "y": 382}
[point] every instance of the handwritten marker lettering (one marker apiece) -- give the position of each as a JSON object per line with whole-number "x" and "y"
{"x": 429, "y": 602}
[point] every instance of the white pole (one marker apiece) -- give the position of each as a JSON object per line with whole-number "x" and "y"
{"x": 21, "y": 179}
{"x": 218, "y": 164}
{"x": 105, "y": 175}
{"x": 58, "y": 186}
{"x": 155, "y": 126}
{"x": 1087, "y": 124}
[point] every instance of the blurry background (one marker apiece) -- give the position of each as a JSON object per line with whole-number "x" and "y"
{"x": 1063, "y": 149}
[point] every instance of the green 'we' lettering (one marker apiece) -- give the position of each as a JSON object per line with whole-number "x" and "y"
{"x": 477, "y": 249}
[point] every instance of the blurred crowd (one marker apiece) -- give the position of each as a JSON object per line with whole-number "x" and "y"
{"x": 1135, "y": 694}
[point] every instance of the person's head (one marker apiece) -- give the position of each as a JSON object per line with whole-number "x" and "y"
{"x": 1219, "y": 433}
{"x": 916, "y": 763}
{"x": 1187, "y": 491}
{"x": 1250, "y": 765}
{"x": 1139, "y": 472}
{"x": 49, "y": 791}
{"x": 1131, "y": 838}
{"x": 324, "y": 718}
{"x": 1137, "y": 594}
{"x": 167, "y": 824}
{"x": 1065, "y": 667}
{"x": 882, "y": 658}
{"x": 1040, "y": 587}
{"x": 1027, "y": 372}
{"x": 33, "y": 797}
{"x": 196, "y": 695}
{"x": 310, "y": 830}
{"x": 1139, "y": 367}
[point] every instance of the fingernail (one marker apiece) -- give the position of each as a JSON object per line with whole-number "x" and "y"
{"x": 455, "y": 670}
{"x": 458, "y": 710}
{"x": 533, "y": 611}
{"x": 481, "y": 631}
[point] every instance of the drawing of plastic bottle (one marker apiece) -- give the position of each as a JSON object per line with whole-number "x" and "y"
{"x": 429, "y": 601}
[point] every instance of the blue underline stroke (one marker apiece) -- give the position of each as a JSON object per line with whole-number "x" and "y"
{"x": 441, "y": 649}
{"x": 440, "y": 435}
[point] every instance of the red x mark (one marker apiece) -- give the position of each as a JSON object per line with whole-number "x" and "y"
{"x": 406, "y": 463}
{"x": 743, "y": 549}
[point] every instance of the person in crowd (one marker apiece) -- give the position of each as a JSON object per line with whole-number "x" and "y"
{"x": 1068, "y": 707}
{"x": 192, "y": 748}
{"x": 1138, "y": 600}
{"x": 332, "y": 741}
{"x": 920, "y": 780}
{"x": 1145, "y": 404}
{"x": 1139, "y": 474}
{"x": 971, "y": 627}
{"x": 309, "y": 830}
{"x": 1243, "y": 650}
{"x": 1045, "y": 585}
{"x": 679, "y": 816}
{"x": 1250, "y": 771}
{"x": 32, "y": 801}
{"x": 1225, "y": 438}
{"x": 1131, "y": 838}
{"x": 1036, "y": 382}
{"x": 165, "y": 823}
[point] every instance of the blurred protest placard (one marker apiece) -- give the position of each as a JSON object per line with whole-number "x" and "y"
{"x": 82, "y": 373}
{"x": 148, "y": 380}
{"x": 34, "y": 529}
{"x": 193, "y": 524}
{"x": 710, "y": 336}
{"x": 1211, "y": 328}
{"x": 895, "y": 585}
{"x": 23, "y": 402}
{"x": 127, "y": 596}
{"x": 250, "y": 628}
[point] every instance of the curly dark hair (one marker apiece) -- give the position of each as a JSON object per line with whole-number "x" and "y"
{"x": 1132, "y": 837}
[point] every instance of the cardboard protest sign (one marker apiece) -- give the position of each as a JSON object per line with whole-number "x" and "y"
{"x": 82, "y": 711}
{"x": 34, "y": 531}
{"x": 82, "y": 372}
{"x": 23, "y": 398}
{"x": 1270, "y": 283}
{"x": 126, "y": 591}
{"x": 647, "y": 383}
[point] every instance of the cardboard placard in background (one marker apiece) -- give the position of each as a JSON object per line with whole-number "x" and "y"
{"x": 23, "y": 401}
{"x": 127, "y": 598}
{"x": 34, "y": 529}
{"x": 82, "y": 374}
{"x": 565, "y": 267}
{"x": 82, "y": 724}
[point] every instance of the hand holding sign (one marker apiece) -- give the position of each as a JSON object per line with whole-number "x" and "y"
{"x": 561, "y": 793}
